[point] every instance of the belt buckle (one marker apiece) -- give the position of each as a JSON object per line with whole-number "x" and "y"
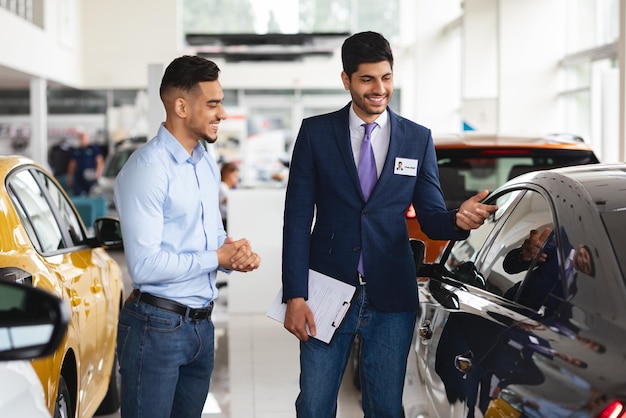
{"x": 196, "y": 315}
{"x": 200, "y": 314}
{"x": 361, "y": 279}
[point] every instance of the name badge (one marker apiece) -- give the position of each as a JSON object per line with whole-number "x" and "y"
{"x": 405, "y": 167}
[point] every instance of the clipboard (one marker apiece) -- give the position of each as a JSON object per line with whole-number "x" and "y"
{"x": 329, "y": 300}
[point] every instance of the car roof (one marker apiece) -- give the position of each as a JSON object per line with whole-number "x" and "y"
{"x": 10, "y": 162}
{"x": 605, "y": 183}
{"x": 477, "y": 140}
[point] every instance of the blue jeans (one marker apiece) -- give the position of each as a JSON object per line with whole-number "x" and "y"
{"x": 165, "y": 361}
{"x": 386, "y": 340}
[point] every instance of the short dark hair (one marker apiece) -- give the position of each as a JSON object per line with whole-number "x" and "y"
{"x": 184, "y": 73}
{"x": 364, "y": 47}
{"x": 228, "y": 168}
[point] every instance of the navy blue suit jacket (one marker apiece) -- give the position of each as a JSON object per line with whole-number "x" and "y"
{"x": 324, "y": 187}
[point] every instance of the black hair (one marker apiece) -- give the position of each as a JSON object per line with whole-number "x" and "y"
{"x": 364, "y": 47}
{"x": 186, "y": 72}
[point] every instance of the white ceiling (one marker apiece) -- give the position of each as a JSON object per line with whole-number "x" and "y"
{"x": 13, "y": 79}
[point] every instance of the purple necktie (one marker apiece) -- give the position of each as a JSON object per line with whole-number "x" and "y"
{"x": 367, "y": 163}
{"x": 367, "y": 171}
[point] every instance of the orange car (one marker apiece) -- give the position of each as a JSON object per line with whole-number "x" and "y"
{"x": 44, "y": 244}
{"x": 469, "y": 163}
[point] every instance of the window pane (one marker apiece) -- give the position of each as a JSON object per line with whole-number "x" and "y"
{"x": 506, "y": 264}
{"x": 35, "y": 207}
{"x": 65, "y": 209}
{"x": 291, "y": 16}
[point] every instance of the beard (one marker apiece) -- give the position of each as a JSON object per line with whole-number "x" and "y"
{"x": 200, "y": 131}
{"x": 208, "y": 139}
{"x": 367, "y": 107}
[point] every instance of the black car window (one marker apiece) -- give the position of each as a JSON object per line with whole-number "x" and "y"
{"x": 614, "y": 222}
{"x": 514, "y": 270}
{"x": 116, "y": 162}
{"x": 35, "y": 213}
{"x": 65, "y": 209}
{"x": 467, "y": 253}
{"x": 492, "y": 252}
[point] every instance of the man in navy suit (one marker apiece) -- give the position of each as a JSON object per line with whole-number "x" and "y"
{"x": 324, "y": 185}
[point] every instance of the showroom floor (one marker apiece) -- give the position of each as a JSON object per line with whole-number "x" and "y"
{"x": 256, "y": 373}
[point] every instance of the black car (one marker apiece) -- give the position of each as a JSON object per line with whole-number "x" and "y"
{"x": 507, "y": 332}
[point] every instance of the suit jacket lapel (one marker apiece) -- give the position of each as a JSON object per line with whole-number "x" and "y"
{"x": 396, "y": 143}
{"x": 341, "y": 127}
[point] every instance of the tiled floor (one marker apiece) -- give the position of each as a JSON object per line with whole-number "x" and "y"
{"x": 263, "y": 363}
{"x": 256, "y": 367}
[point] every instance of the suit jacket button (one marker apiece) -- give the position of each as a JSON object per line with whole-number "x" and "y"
{"x": 355, "y": 249}
{"x": 364, "y": 213}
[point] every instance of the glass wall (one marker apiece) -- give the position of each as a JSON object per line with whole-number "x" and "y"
{"x": 589, "y": 70}
{"x": 291, "y": 16}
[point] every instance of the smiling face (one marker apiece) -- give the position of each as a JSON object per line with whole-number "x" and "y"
{"x": 371, "y": 88}
{"x": 206, "y": 111}
{"x": 583, "y": 261}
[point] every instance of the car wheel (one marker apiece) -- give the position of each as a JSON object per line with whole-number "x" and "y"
{"x": 111, "y": 402}
{"x": 63, "y": 405}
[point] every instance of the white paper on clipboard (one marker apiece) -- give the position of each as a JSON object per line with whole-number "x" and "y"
{"x": 329, "y": 300}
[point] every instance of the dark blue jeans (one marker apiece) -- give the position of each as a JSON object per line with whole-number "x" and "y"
{"x": 166, "y": 362}
{"x": 386, "y": 340}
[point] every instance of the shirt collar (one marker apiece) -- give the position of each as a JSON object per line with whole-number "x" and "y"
{"x": 179, "y": 153}
{"x": 356, "y": 122}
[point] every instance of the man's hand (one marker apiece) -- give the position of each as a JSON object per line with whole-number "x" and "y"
{"x": 245, "y": 259}
{"x": 472, "y": 213}
{"x": 298, "y": 317}
{"x": 532, "y": 245}
{"x": 238, "y": 255}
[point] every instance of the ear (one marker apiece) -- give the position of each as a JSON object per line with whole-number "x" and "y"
{"x": 181, "y": 107}
{"x": 345, "y": 80}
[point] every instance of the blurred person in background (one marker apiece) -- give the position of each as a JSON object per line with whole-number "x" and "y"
{"x": 230, "y": 180}
{"x": 85, "y": 166}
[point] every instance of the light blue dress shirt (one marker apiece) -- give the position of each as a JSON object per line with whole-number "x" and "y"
{"x": 167, "y": 202}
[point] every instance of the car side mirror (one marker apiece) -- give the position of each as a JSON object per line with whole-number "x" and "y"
{"x": 33, "y": 322}
{"x": 108, "y": 232}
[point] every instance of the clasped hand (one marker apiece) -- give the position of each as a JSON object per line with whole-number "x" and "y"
{"x": 238, "y": 255}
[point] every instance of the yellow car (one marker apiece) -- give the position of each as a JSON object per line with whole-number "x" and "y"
{"x": 44, "y": 243}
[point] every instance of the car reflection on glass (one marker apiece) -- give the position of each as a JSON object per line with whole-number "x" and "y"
{"x": 504, "y": 331}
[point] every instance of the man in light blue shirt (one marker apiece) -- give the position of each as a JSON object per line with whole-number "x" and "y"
{"x": 174, "y": 242}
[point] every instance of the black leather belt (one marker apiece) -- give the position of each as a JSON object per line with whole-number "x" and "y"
{"x": 195, "y": 314}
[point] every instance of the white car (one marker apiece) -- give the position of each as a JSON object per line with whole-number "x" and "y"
{"x": 32, "y": 324}
{"x": 21, "y": 393}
